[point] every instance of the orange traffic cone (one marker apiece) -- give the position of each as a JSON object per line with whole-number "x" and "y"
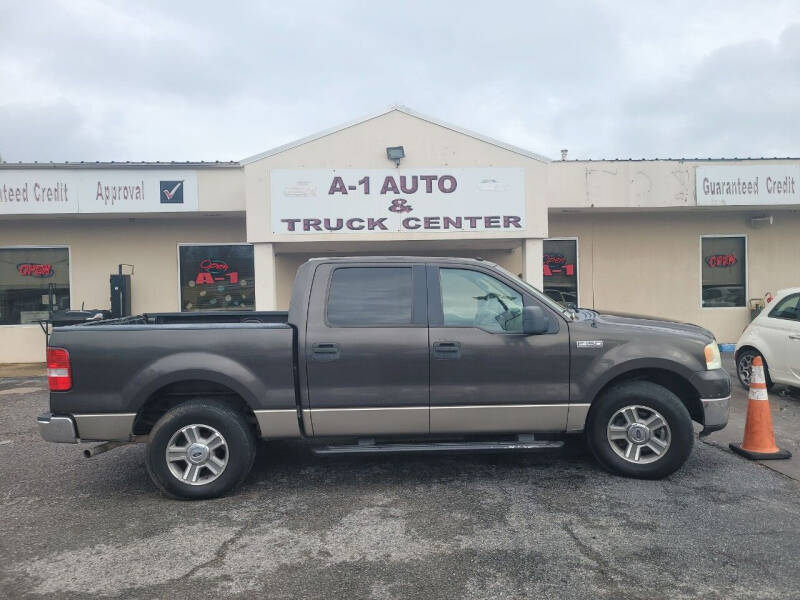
{"x": 759, "y": 439}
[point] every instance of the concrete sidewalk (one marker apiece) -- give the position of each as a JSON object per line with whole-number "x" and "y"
{"x": 785, "y": 405}
{"x": 23, "y": 370}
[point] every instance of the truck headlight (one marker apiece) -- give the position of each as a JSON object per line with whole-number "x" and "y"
{"x": 713, "y": 358}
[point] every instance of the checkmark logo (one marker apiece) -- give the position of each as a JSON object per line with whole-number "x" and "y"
{"x": 171, "y": 192}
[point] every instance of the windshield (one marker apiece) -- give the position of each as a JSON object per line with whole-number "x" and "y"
{"x": 536, "y": 293}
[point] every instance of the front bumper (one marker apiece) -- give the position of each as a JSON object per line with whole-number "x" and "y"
{"x": 715, "y": 413}
{"x": 57, "y": 429}
{"x": 712, "y": 384}
{"x": 714, "y": 388}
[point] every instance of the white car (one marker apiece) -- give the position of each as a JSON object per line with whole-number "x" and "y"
{"x": 774, "y": 335}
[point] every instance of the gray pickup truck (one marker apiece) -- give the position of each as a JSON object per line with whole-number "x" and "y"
{"x": 385, "y": 354}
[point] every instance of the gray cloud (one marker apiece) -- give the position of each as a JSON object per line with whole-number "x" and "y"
{"x": 85, "y": 80}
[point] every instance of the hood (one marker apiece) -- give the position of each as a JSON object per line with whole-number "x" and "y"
{"x": 653, "y": 323}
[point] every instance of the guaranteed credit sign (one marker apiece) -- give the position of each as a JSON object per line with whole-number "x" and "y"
{"x": 314, "y": 201}
{"x": 60, "y": 191}
{"x": 737, "y": 185}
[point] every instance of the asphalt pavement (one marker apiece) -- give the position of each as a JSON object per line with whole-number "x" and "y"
{"x": 479, "y": 526}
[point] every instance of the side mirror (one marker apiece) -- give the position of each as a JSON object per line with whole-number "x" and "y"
{"x": 534, "y": 320}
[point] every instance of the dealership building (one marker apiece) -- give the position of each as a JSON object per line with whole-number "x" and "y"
{"x": 689, "y": 239}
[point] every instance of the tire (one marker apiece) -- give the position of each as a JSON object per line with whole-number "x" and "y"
{"x": 612, "y": 415}
{"x": 743, "y": 363}
{"x": 194, "y": 430}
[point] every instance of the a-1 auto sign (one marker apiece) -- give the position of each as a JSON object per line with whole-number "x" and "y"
{"x": 736, "y": 185}
{"x": 370, "y": 201}
{"x": 58, "y": 191}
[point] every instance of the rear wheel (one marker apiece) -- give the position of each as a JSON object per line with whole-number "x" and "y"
{"x": 200, "y": 449}
{"x": 640, "y": 429}
{"x": 744, "y": 367}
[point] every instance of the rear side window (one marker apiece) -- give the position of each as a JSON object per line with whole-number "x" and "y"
{"x": 370, "y": 296}
{"x": 788, "y": 308}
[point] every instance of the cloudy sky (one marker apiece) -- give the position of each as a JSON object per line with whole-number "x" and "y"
{"x": 151, "y": 80}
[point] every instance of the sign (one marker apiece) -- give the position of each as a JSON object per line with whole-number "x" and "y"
{"x": 736, "y": 185}
{"x": 214, "y": 270}
{"x": 721, "y": 260}
{"x": 365, "y": 201}
{"x": 556, "y": 264}
{"x": 35, "y": 270}
{"x": 64, "y": 191}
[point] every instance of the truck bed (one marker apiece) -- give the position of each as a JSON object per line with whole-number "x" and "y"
{"x": 118, "y": 364}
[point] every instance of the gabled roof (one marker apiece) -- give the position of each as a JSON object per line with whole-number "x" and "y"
{"x": 402, "y": 109}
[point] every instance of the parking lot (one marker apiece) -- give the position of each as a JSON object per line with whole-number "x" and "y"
{"x": 482, "y": 526}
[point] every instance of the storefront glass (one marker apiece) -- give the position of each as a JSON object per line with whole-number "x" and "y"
{"x": 724, "y": 268}
{"x": 218, "y": 277}
{"x": 560, "y": 265}
{"x": 33, "y": 282}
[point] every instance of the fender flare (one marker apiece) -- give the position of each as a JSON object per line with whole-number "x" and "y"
{"x": 639, "y": 364}
{"x": 181, "y": 367}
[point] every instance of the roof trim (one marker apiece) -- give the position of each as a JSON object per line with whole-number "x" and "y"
{"x": 402, "y": 109}
{"x": 122, "y": 165}
{"x": 696, "y": 159}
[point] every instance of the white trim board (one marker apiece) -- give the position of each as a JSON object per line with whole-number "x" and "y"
{"x": 404, "y": 110}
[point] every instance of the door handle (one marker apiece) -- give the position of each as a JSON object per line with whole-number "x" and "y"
{"x": 794, "y": 337}
{"x": 325, "y": 351}
{"x": 447, "y": 350}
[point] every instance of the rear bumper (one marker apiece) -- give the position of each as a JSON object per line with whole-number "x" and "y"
{"x": 57, "y": 429}
{"x": 715, "y": 413}
{"x": 94, "y": 427}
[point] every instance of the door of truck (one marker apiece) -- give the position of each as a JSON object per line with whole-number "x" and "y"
{"x": 486, "y": 375}
{"x": 366, "y": 349}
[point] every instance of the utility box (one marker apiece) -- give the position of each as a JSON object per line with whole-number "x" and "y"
{"x": 120, "y": 295}
{"x": 756, "y": 306}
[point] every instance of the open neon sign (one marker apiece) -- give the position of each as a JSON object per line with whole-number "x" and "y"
{"x": 35, "y": 270}
{"x": 721, "y": 260}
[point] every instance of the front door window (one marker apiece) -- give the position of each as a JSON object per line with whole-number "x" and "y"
{"x": 473, "y": 299}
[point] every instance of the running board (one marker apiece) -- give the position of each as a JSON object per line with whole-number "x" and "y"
{"x": 368, "y": 448}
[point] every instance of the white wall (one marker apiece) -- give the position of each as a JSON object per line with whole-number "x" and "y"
{"x": 97, "y": 246}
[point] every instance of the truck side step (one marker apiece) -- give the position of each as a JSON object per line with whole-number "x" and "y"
{"x": 487, "y": 446}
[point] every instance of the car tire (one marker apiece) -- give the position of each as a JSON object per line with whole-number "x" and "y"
{"x": 613, "y": 438}
{"x": 744, "y": 360}
{"x": 200, "y": 449}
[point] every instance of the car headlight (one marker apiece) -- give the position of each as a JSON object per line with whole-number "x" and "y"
{"x": 713, "y": 358}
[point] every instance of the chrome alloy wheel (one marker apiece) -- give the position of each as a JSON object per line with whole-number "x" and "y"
{"x": 197, "y": 454}
{"x": 744, "y": 367}
{"x": 638, "y": 434}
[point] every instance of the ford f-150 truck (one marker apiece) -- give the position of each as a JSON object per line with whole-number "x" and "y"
{"x": 385, "y": 354}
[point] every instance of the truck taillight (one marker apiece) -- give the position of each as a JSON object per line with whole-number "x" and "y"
{"x": 59, "y": 373}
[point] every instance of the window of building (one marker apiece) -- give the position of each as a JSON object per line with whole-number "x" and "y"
{"x": 370, "y": 296}
{"x": 724, "y": 271}
{"x": 473, "y": 299}
{"x": 560, "y": 266}
{"x": 217, "y": 277}
{"x": 788, "y": 308}
{"x": 33, "y": 282}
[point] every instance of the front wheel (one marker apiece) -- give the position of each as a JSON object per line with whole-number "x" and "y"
{"x": 200, "y": 449}
{"x": 640, "y": 429}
